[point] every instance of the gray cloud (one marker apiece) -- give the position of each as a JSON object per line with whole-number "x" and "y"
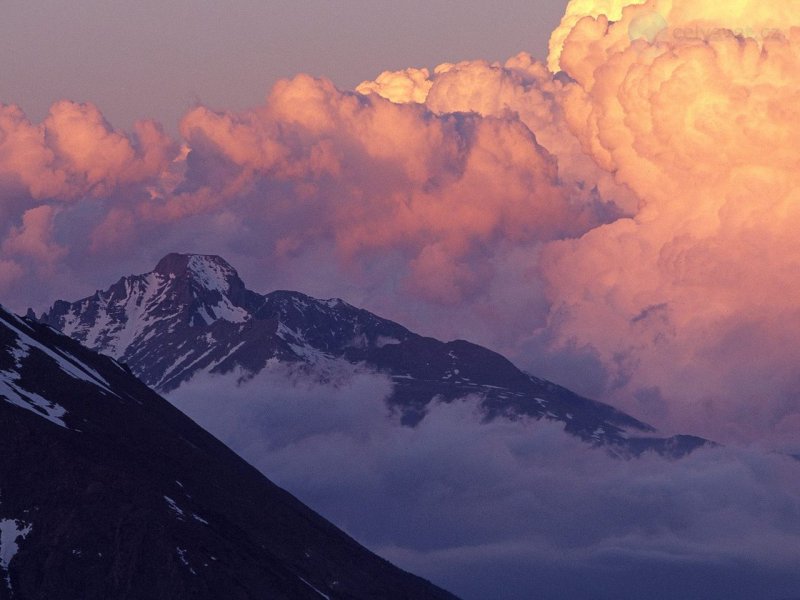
{"x": 513, "y": 510}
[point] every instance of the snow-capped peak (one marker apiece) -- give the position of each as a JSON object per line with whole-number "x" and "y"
{"x": 210, "y": 272}
{"x": 184, "y": 290}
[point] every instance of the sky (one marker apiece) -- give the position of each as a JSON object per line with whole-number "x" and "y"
{"x": 156, "y": 59}
{"x": 605, "y": 191}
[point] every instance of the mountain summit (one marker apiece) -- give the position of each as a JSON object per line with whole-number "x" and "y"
{"x": 182, "y": 291}
{"x": 193, "y": 314}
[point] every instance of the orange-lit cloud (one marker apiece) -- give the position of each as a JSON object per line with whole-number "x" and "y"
{"x": 694, "y": 295}
{"x": 375, "y": 176}
{"x": 410, "y": 85}
{"x": 34, "y": 237}
{"x": 74, "y": 153}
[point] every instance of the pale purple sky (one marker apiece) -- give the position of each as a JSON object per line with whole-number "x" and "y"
{"x": 156, "y": 58}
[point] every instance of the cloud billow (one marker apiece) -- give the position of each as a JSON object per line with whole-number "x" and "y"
{"x": 512, "y": 509}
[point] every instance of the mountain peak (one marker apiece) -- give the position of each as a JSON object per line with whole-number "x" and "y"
{"x": 191, "y": 290}
{"x": 209, "y": 270}
{"x": 173, "y": 263}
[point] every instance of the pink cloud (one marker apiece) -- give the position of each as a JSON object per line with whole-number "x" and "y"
{"x": 74, "y": 153}
{"x": 34, "y": 238}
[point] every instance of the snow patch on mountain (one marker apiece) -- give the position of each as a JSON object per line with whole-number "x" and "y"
{"x": 67, "y": 363}
{"x": 10, "y": 531}
{"x": 334, "y": 303}
{"x": 385, "y": 340}
{"x": 315, "y": 589}
{"x": 182, "y": 557}
{"x": 14, "y": 394}
{"x": 226, "y": 311}
{"x": 211, "y": 274}
{"x": 173, "y": 506}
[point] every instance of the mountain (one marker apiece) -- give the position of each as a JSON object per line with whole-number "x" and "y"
{"x": 193, "y": 314}
{"x": 109, "y": 492}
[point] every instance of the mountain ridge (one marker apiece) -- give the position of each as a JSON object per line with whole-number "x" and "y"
{"x": 194, "y": 314}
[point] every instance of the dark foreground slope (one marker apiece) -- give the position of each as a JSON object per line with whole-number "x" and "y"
{"x": 108, "y": 492}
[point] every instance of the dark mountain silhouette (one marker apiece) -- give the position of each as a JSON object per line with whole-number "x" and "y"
{"x": 108, "y": 492}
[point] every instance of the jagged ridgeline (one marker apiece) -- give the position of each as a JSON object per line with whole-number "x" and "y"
{"x": 193, "y": 314}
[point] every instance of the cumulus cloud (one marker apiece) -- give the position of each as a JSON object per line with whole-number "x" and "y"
{"x": 520, "y": 88}
{"x": 431, "y": 203}
{"x": 75, "y": 153}
{"x": 575, "y": 12}
{"x": 368, "y": 177}
{"x": 512, "y": 510}
{"x": 56, "y": 176}
{"x": 409, "y": 85}
{"x": 34, "y": 237}
{"x": 692, "y": 295}
{"x": 665, "y": 21}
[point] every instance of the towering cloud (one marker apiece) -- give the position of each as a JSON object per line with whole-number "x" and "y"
{"x": 691, "y": 299}
{"x": 410, "y": 85}
{"x": 577, "y": 10}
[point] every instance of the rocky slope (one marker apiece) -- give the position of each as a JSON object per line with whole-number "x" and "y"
{"x": 107, "y": 492}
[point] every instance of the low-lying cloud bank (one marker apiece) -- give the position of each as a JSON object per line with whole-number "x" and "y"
{"x": 513, "y": 510}
{"x": 622, "y": 218}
